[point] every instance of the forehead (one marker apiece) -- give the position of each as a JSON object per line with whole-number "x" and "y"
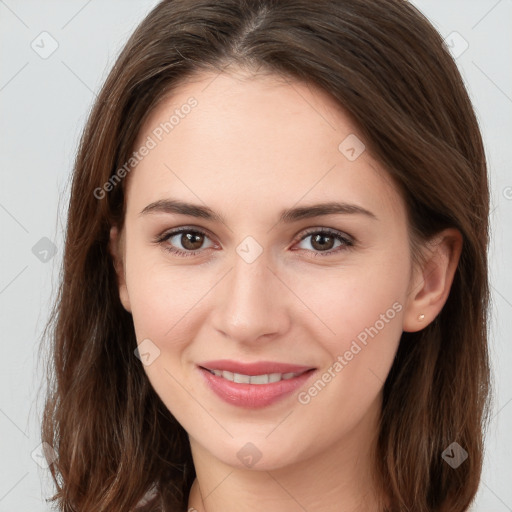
{"x": 237, "y": 139}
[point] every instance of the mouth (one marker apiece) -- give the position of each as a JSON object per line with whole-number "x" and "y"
{"x": 253, "y": 385}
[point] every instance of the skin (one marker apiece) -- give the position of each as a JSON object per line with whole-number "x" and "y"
{"x": 253, "y": 146}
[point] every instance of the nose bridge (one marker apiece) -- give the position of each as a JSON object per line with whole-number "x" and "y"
{"x": 252, "y": 304}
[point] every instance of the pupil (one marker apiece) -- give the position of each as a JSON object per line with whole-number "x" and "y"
{"x": 322, "y": 245}
{"x": 192, "y": 241}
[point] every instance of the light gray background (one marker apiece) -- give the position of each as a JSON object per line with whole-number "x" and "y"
{"x": 44, "y": 103}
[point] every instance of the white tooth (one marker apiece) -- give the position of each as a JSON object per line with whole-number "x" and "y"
{"x": 259, "y": 379}
{"x": 228, "y": 375}
{"x": 254, "y": 379}
{"x": 241, "y": 379}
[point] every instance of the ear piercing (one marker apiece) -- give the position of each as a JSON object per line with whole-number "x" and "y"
{"x": 421, "y": 317}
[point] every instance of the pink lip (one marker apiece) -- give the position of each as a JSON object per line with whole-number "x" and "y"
{"x": 253, "y": 396}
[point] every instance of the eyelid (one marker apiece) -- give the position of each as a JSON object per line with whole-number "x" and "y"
{"x": 331, "y": 231}
{"x": 174, "y": 231}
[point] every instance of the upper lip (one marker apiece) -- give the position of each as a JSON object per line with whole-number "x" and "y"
{"x": 256, "y": 368}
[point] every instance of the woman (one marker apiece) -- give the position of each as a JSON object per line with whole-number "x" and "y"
{"x": 275, "y": 287}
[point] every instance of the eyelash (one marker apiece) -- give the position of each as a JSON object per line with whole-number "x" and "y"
{"x": 346, "y": 241}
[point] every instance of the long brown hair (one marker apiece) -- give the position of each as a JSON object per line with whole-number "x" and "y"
{"x": 387, "y": 66}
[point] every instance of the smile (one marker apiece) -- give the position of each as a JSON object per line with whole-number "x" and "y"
{"x": 266, "y": 378}
{"x": 253, "y": 385}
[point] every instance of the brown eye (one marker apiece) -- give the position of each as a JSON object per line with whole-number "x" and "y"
{"x": 325, "y": 242}
{"x": 184, "y": 242}
{"x": 192, "y": 241}
{"x": 322, "y": 242}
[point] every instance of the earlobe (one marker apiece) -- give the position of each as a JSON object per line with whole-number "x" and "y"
{"x": 431, "y": 284}
{"x": 115, "y": 246}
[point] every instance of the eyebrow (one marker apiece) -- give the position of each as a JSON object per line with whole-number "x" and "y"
{"x": 287, "y": 216}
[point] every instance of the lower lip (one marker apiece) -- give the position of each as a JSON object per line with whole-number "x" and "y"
{"x": 253, "y": 396}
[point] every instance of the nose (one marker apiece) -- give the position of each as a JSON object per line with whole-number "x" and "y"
{"x": 253, "y": 304}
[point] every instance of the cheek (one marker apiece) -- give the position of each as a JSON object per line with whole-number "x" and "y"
{"x": 162, "y": 296}
{"x": 349, "y": 302}
{"x": 164, "y": 303}
{"x": 359, "y": 326}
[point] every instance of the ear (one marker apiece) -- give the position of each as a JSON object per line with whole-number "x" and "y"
{"x": 431, "y": 282}
{"x": 116, "y": 249}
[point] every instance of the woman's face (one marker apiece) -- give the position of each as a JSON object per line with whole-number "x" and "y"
{"x": 263, "y": 273}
